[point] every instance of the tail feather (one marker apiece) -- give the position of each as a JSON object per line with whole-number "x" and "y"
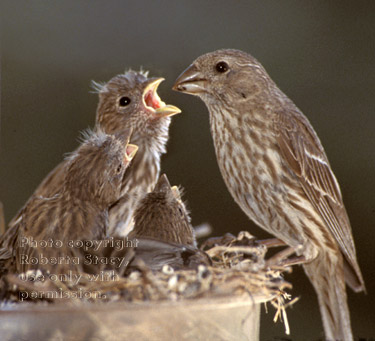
{"x": 326, "y": 273}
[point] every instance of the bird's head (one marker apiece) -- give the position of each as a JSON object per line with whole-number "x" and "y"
{"x": 229, "y": 76}
{"x": 162, "y": 215}
{"x": 131, "y": 101}
{"x": 96, "y": 169}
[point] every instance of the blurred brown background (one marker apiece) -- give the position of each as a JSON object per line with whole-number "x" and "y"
{"x": 320, "y": 53}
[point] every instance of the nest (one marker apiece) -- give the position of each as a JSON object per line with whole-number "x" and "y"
{"x": 239, "y": 267}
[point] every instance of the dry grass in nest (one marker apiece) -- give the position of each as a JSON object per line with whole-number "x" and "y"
{"x": 238, "y": 268}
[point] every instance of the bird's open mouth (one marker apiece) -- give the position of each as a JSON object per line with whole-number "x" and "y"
{"x": 154, "y": 104}
{"x": 130, "y": 151}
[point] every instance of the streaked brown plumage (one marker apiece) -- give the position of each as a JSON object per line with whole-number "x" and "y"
{"x": 162, "y": 215}
{"x": 127, "y": 101}
{"x": 162, "y": 234}
{"x": 163, "y": 231}
{"x": 92, "y": 182}
{"x": 277, "y": 171}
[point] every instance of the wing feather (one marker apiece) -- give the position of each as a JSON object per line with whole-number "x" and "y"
{"x": 305, "y": 155}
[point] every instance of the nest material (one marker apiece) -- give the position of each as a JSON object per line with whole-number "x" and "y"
{"x": 238, "y": 268}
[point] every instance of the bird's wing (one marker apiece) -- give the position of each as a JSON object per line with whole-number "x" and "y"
{"x": 50, "y": 185}
{"x": 7, "y": 242}
{"x": 305, "y": 155}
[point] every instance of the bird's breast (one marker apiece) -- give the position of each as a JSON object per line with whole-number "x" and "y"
{"x": 248, "y": 158}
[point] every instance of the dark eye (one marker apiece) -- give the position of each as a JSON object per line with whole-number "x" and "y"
{"x": 124, "y": 101}
{"x": 222, "y": 67}
{"x": 180, "y": 210}
{"x": 119, "y": 168}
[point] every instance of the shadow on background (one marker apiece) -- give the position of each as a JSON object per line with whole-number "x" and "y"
{"x": 321, "y": 54}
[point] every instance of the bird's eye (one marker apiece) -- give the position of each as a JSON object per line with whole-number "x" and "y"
{"x": 222, "y": 67}
{"x": 119, "y": 168}
{"x": 124, "y": 101}
{"x": 180, "y": 210}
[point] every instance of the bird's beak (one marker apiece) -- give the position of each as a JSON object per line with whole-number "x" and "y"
{"x": 154, "y": 104}
{"x": 163, "y": 184}
{"x": 191, "y": 81}
{"x": 131, "y": 150}
{"x": 124, "y": 136}
{"x": 176, "y": 193}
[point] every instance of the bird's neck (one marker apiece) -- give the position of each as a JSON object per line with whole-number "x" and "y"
{"x": 145, "y": 167}
{"x": 229, "y": 127}
{"x": 154, "y": 138}
{"x": 89, "y": 203}
{"x": 89, "y": 218}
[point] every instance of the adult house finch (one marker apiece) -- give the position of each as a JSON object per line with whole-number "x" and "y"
{"x": 92, "y": 182}
{"x": 277, "y": 171}
{"x": 127, "y": 101}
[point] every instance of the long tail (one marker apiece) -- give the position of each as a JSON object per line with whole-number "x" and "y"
{"x": 326, "y": 273}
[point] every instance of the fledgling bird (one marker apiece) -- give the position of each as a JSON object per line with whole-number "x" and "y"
{"x": 127, "y": 101}
{"x": 275, "y": 168}
{"x": 162, "y": 215}
{"x": 162, "y": 235}
{"x": 163, "y": 232}
{"x": 92, "y": 182}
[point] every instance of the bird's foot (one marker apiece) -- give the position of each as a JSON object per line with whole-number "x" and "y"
{"x": 282, "y": 258}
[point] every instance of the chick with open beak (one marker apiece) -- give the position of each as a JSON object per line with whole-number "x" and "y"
{"x": 129, "y": 101}
{"x": 154, "y": 104}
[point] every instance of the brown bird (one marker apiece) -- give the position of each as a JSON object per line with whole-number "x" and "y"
{"x": 92, "y": 182}
{"x": 127, "y": 101}
{"x": 162, "y": 215}
{"x": 162, "y": 231}
{"x": 162, "y": 235}
{"x": 276, "y": 169}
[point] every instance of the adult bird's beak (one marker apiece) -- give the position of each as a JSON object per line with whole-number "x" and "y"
{"x": 191, "y": 81}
